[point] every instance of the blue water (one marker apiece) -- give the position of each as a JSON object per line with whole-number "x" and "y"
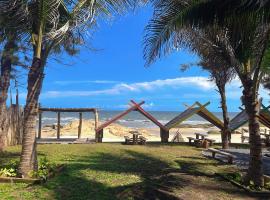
{"x": 133, "y": 119}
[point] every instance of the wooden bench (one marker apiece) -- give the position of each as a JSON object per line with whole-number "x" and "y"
{"x": 229, "y": 156}
{"x": 194, "y": 139}
{"x": 128, "y": 140}
{"x": 211, "y": 141}
{"x": 141, "y": 140}
{"x": 243, "y": 138}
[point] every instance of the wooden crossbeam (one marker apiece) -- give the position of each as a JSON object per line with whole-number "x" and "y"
{"x": 68, "y": 109}
{"x": 148, "y": 115}
{"x": 265, "y": 119}
{"x": 119, "y": 116}
{"x": 207, "y": 115}
{"x": 184, "y": 116}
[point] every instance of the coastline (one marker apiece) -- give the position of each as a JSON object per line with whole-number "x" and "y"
{"x": 116, "y": 132}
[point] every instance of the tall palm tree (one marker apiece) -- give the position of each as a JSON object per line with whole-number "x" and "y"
{"x": 245, "y": 44}
{"x": 202, "y": 43}
{"x": 50, "y": 22}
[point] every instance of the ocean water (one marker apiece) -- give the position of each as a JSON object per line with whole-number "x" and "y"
{"x": 133, "y": 119}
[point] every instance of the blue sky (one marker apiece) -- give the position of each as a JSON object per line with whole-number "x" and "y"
{"x": 114, "y": 73}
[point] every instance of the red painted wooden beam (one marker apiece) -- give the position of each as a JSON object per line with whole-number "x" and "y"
{"x": 148, "y": 115}
{"x": 102, "y": 126}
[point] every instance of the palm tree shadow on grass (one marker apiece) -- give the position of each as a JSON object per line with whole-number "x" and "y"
{"x": 158, "y": 180}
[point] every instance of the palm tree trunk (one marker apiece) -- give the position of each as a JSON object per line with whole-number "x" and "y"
{"x": 6, "y": 62}
{"x": 28, "y": 161}
{"x": 255, "y": 170}
{"x": 226, "y": 133}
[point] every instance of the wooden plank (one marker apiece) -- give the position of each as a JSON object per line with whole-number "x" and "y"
{"x": 80, "y": 125}
{"x": 58, "y": 124}
{"x": 184, "y": 116}
{"x": 264, "y": 118}
{"x": 39, "y": 124}
{"x": 207, "y": 115}
{"x": 96, "y": 119}
{"x": 68, "y": 109}
{"x": 239, "y": 120}
{"x": 148, "y": 115}
{"x": 118, "y": 116}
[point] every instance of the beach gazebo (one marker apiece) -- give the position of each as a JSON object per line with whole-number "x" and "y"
{"x": 198, "y": 109}
{"x": 242, "y": 118}
{"x": 164, "y": 133}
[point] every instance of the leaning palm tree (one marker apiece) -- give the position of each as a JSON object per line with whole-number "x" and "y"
{"x": 50, "y": 23}
{"x": 246, "y": 29}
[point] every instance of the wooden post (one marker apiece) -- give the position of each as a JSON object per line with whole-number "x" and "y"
{"x": 164, "y": 134}
{"x": 96, "y": 119}
{"x": 80, "y": 125}
{"x": 99, "y": 135}
{"x": 39, "y": 124}
{"x": 96, "y": 126}
{"x": 58, "y": 124}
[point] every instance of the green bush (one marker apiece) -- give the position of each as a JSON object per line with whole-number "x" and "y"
{"x": 10, "y": 170}
{"x": 44, "y": 168}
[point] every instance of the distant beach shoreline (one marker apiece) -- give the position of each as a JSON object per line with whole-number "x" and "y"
{"x": 116, "y": 131}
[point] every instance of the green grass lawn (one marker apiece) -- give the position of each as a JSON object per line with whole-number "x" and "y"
{"x": 115, "y": 171}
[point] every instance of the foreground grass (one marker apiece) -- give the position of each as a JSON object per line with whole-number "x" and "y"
{"x": 115, "y": 171}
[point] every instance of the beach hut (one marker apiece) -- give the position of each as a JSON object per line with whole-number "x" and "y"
{"x": 242, "y": 118}
{"x": 198, "y": 109}
{"x": 164, "y": 133}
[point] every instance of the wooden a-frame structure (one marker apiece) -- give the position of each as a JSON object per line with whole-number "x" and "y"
{"x": 164, "y": 133}
{"x": 198, "y": 109}
{"x": 241, "y": 118}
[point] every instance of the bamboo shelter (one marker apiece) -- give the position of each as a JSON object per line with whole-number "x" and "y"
{"x": 164, "y": 133}
{"x": 198, "y": 109}
{"x": 66, "y": 110}
{"x": 242, "y": 118}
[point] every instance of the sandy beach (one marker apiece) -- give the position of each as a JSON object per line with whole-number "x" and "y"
{"x": 116, "y": 132}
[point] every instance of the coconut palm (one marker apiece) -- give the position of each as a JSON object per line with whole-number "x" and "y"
{"x": 50, "y": 23}
{"x": 9, "y": 38}
{"x": 244, "y": 43}
{"x": 221, "y": 73}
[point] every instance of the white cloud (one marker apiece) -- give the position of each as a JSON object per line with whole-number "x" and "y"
{"x": 199, "y": 82}
{"x": 70, "y": 82}
{"x": 203, "y": 88}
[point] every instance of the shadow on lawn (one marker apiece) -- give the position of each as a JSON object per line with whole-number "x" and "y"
{"x": 158, "y": 179}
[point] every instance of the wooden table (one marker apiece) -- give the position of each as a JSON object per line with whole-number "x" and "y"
{"x": 267, "y": 139}
{"x": 135, "y": 137}
{"x": 201, "y": 135}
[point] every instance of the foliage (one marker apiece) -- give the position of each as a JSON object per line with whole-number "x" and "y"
{"x": 238, "y": 178}
{"x": 10, "y": 170}
{"x": 45, "y": 167}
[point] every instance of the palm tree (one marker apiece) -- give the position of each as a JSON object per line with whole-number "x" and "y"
{"x": 50, "y": 23}
{"x": 202, "y": 43}
{"x": 244, "y": 43}
{"x": 9, "y": 58}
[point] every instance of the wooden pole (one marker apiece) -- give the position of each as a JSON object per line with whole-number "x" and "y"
{"x": 96, "y": 126}
{"x": 39, "y": 124}
{"x": 58, "y": 124}
{"x": 80, "y": 125}
{"x": 96, "y": 119}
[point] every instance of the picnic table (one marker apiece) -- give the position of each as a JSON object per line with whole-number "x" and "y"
{"x": 135, "y": 136}
{"x": 201, "y": 135}
{"x": 266, "y": 139}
